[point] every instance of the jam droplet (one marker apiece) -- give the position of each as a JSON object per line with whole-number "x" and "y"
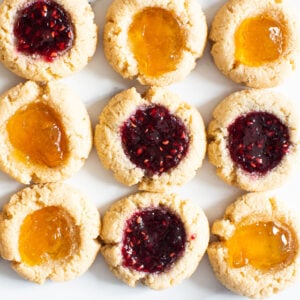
{"x": 156, "y": 41}
{"x": 47, "y": 234}
{"x": 43, "y": 28}
{"x": 264, "y": 245}
{"x": 259, "y": 40}
{"x": 258, "y": 141}
{"x": 37, "y": 135}
{"x": 154, "y": 139}
{"x": 153, "y": 240}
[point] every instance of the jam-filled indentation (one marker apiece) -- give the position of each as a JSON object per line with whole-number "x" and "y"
{"x": 259, "y": 40}
{"x": 153, "y": 240}
{"x": 37, "y": 135}
{"x": 154, "y": 139}
{"x": 258, "y": 141}
{"x": 264, "y": 245}
{"x": 156, "y": 40}
{"x": 48, "y": 234}
{"x": 43, "y": 29}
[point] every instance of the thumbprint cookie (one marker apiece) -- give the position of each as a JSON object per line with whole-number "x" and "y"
{"x": 254, "y": 139}
{"x": 43, "y": 40}
{"x": 49, "y": 232}
{"x": 155, "y": 140}
{"x": 157, "y": 239}
{"x": 155, "y": 41}
{"x": 257, "y": 251}
{"x": 45, "y": 132}
{"x": 256, "y": 42}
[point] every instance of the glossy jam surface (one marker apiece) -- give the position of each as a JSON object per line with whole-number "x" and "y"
{"x": 153, "y": 240}
{"x": 259, "y": 40}
{"x": 37, "y": 135}
{"x": 47, "y": 234}
{"x": 264, "y": 245}
{"x": 43, "y": 28}
{"x": 154, "y": 139}
{"x": 156, "y": 40}
{"x": 258, "y": 141}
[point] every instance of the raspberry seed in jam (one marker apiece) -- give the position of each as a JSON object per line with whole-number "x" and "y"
{"x": 43, "y": 28}
{"x": 153, "y": 240}
{"x": 154, "y": 139}
{"x": 258, "y": 141}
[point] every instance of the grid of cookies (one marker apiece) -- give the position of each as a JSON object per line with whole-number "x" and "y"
{"x": 155, "y": 164}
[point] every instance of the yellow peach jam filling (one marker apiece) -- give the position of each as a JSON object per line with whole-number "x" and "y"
{"x": 259, "y": 40}
{"x": 37, "y": 135}
{"x": 156, "y": 40}
{"x": 47, "y": 234}
{"x": 264, "y": 245}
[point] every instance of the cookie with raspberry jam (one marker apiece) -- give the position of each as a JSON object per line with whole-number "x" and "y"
{"x": 155, "y": 41}
{"x": 158, "y": 239}
{"x": 155, "y": 140}
{"x": 46, "y": 39}
{"x": 254, "y": 139}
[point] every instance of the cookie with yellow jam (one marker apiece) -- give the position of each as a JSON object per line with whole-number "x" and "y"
{"x": 49, "y": 232}
{"x": 254, "y": 139}
{"x": 154, "y": 140}
{"x": 257, "y": 253}
{"x": 46, "y": 39}
{"x": 45, "y": 132}
{"x": 154, "y": 238}
{"x": 155, "y": 41}
{"x": 256, "y": 42}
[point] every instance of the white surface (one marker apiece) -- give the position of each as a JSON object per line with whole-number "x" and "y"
{"x": 205, "y": 87}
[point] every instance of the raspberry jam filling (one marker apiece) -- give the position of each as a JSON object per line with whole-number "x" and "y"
{"x": 153, "y": 240}
{"x": 43, "y": 28}
{"x": 258, "y": 141}
{"x": 154, "y": 139}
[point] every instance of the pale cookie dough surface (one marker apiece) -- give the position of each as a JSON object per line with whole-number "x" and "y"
{"x": 109, "y": 144}
{"x": 85, "y": 216}
{"x": 222, "y": 34}
{"x": 74, "y": 120}
{"x": 241, "y": 103}
{"x": 117, "y": 49}
{"x": 247, "y": 280}
{"x": 197, "y": 233}
{"x": 36, "y": 68}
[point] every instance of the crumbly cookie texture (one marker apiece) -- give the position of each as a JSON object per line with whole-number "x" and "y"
{"x": 222, "y": 33}
{"x": 197, "y": 232}
{"x": 35, "y": 68}
{"x": 109, "y": 144}
{"x": 247, "y": 280}
{"x": 117, "y": 50}
{"x": 241, "y": 103}
{"x": 30, "y": 199}
{"x": 75, "y": 122}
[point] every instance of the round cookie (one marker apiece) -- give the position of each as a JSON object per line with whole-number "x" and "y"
{"x": 54, "y": 43}
{"x": 156, "y": 42}
{"x": 49, "y": 232}
{"x": 269, "y": 51}
{"x": 45, "y": 132}
{"x": 158, "y": 239}
{"x": 257, "y": 253}
{"x": 254, "y": 139}
{"x": 154, "y": 140}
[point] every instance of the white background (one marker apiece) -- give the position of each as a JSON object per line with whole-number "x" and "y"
{"x": 205, "y": 87}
